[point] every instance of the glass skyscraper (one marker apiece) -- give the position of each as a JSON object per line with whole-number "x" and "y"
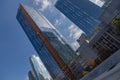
{"x": 52, "y": 49}
{"x": 83, "y": 13}
{"x": 31, "y": 75}
{"x": 39, "y": 69}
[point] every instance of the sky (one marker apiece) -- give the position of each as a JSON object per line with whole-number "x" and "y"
{"x": 15, "y": 47}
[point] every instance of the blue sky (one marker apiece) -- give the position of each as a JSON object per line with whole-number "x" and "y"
{"x": 15, "y": 48}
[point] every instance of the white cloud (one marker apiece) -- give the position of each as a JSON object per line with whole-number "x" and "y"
{"x": 44, "y": 4}
{"x": 57, "y": 22}
{"x": 36, "y": 2}
{"x": 77, "y": 34}
{"x": 60, "y": 20}
{"x": 63, "y": 16}
{"x": 75, "y": 45}
{"x": 74, "y": 31}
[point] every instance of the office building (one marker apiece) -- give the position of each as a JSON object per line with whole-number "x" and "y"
{"x": 82, "y": 39}
{"x": 107, "y": 41}
{"x": 39, "y": 69}
{"x": 104, "y": 67}
{"x": 31, "y": 75}
{"x": 52, "y": 49}
{"x": 85, "y": 54}
{"x": 106, "y": 44}
{"x": 77, "y": 68}
{"x": 83, "y": 13}
{"x": 110, "y": 12}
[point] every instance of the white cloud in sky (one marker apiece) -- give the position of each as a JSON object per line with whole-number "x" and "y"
{"x": 63, "y": 16}
{"x": 74, "y": 31}
{"x": 97, "y": 2}
{"x": 75, "y": 45}
{"x": 44, "y": 4}
{"x": 60, "y": 20}
{"x": 57, "y": 22}
{"x": 36, "y": 2}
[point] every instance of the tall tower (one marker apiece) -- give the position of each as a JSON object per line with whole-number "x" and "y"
{"x": 31, "y": 75}
{"x": 52, "y": 49}
{"x": 83, "y": 13}
{"x": 39, "y": 69}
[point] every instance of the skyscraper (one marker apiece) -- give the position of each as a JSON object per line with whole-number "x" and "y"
{"x": 83, "y": 13}
{"x": 52, "y": 49}
{"x": 39, "y": 69}
{"x": 110, "y": 11}
{"x": 31, "y": 75}
{"x": 106, "y": 44}
{"x": 107, "y": 40}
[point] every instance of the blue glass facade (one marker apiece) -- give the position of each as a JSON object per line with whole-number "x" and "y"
{"x": 31, "y": 75}
{"x": 64, "y": 50}
{"x": 83, "y": 13}
{"x": 44, "y": 54}
{"x": 52, "y": 49}
{"x": 39, "y": 68}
